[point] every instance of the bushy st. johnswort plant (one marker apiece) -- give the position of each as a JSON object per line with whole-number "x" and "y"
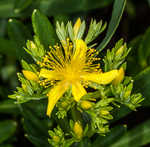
{"x": 82, "y": 85}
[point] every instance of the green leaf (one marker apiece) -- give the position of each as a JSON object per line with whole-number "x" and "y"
{"x": 7, "y": 46}
{"x": 133, "y": 66}
{"x": 14, "y": 8}
{"x": 136, "y": 137}
{"x": 8, "y": 106}
{"x": 20, "y": 5}
{"x": 19, "y": 34}
{"x": 140, "y": 52}
{"x": 7, "y": 129}
{"x": 3, "y": 25}
{"x": 121, "y": 112}
{"x": 144, "y": 48}
{"x": 38, "y": 142}
{"x": 6, "y": 8}
{"x": 54, "y": 7}
{"x": 114, "y": 135}
{"x": 35, "y": 125}
{"x": 142, "y": 84}
{"x": 118, "y": 9}
{"x": 43, "y": 29}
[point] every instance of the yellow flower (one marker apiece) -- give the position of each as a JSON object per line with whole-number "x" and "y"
{"x": 71, "y": 66}
{"x": 78, "y": 130}
{"x": 30, "y": 75}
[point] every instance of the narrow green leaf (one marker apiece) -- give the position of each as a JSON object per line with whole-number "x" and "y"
{"x": 142, "y": 84}
{"x": 43, "y": 29}
{"x": 118, "y": 9}
{"x": 54, "y": 7}
{"x": 114, "y": 135}
{"x": 7, "y": 129}
{"x": 19, "y": 34}
{"x": 136, "y": 137}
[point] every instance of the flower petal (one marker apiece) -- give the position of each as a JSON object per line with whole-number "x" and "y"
{"x": 120, "y": 76}
{"x": 80, "y": 51}
{"x": 101, "y": 78}
{"x": 55, "y": 94}
{"x": 49, "y": 74}
{"x": 78, "y": 91}
{"x": 30, "y": 75}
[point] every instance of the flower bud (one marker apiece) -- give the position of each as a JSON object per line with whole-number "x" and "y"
{"x": 56, "y": 139}
{"x": 104, "y": 112}
{"x": 78, "y": 130}
{"x": 32, "y": 44}
{"x": 30, "y": 75}
{"x": 24, "y": 87}
{"x": 86, "y": 105}
{"x": 76, "y": 27}
{"x": 64, "y": 104}
{"x": 120, "y": 50}
{"x": 127, "y": 94}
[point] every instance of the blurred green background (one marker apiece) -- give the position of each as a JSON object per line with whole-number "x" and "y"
{"x": 16, "y": 28}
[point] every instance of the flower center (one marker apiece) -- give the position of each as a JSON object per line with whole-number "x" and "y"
{"x": 71, "y": 74}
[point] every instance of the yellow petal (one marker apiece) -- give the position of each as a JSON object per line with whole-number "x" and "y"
{"x": 55, "y": 94}
{"x": 77, "y": 26}
{"x": 101, "y": 78}
{"x": 30, "y": 75}
{"x": 80, "y": 51}
{"x": 78, "y": 91}
{"x": 49, "y": 74}
{"x": 120, "y": 77}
